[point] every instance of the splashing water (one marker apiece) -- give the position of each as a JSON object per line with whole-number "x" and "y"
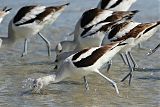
{"x": 28, "y": 83}
{"x": 150, "y": 52}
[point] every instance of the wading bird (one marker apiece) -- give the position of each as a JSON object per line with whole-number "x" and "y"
{"x": 30, "y": 20}
{"x": 90, "y": 21}
{"x": 82, "y": 63}
{"x": 87, "y": 34}
{"x": 133, "y": 33}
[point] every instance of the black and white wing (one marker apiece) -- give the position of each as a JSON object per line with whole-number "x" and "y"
{"x": 31, "y": 14}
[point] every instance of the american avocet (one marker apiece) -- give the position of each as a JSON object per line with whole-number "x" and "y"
{"x": 116, "y": 5}
{"x": 29, "y": 20}
{"x": 4, "y": 12}
{"x": 90, "y": 21}
{"x": 86, "y": 34}
{"x": 95, "y": 35}
{"x": 154, "y": 50}
{"x": 82, "y": 63}
{"x": 133, "y": 33}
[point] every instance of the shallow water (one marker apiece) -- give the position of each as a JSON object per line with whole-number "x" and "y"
{"x": 143, "y": 92}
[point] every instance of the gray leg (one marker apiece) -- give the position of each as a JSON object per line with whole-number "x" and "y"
{"x": 133, "y": 60}
{"x": 70, "y": 34}
{"x": 123, "y": 58}
{"x": 86, "y": 83}
{"x": 140, "y": 46}
{"x": 154, "y": 50}
{"x": 108, "y": 79}
{"x": 130, "y": 68}
{"x": 25, "y": 48}
{"x": 109, "y": 65}
{"x": 47, "y": 42}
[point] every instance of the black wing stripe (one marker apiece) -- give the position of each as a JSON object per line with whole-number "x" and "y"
{"x": 91, "y": 59}
{"x": 150, "y": 28}
{"x": 116, "y": 4}
{"x": 86, "y": 30}
{"x": 22, "y": 12}
{"x": 40, "y": 17}
{"x": 79, "y": 54}
{"x": 116, "y": 29}
{"x": 104, "y": 3}
{"x": 88, "y": 16}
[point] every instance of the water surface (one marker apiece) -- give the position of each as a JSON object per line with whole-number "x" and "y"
{"x": 143, "y": 92}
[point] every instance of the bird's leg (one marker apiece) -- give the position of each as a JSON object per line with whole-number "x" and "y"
{"x": 86, "y": 83}
{"x": 108, "y": 79}
{"x": 109, "y": 65}
{"x": 153, "y": 50}
{"x": 70, "y": 34}
{"x": 47, "y": 43}
{"x": 135, "y": 65}
{"x": 123, "y": 58}
{"x": 130, "y": 68}
{"x": 25, "y": 48}
{"x": 140, "y": 46}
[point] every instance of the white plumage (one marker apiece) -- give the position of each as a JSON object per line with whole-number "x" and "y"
{"x": 85, "y": 33}
{"x": 30, "y": 20}
{"x": 132, "y": 33}
{"x": 82, "y": 63}
{"x": 115, "y": 5}
{"x": 4, "y": 12}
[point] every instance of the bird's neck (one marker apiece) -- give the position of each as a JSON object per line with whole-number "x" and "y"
{"x": 49, "y": 79}
{"x": 11, "y": 36}
{"x": 54, "y": 78}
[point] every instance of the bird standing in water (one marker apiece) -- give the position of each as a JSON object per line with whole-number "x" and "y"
{"x": 30, "y": 20}
{"x": 82, "y": 63}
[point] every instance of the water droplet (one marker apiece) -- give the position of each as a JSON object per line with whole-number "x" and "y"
{"x": 27, "y": 83}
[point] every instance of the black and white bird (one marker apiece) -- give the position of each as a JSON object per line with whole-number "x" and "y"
{"x": 133, "y": 33}
{"x": 82, "y": 63}
{"x": 90, "y": 21}
{"x": 116, "y": 5}
{"x": 30, "y": 20}
{"x": 87, "y": 33}
{"x": 4, "y": 12}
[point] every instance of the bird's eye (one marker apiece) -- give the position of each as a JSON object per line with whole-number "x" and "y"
{"x": 60, "y": 51}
